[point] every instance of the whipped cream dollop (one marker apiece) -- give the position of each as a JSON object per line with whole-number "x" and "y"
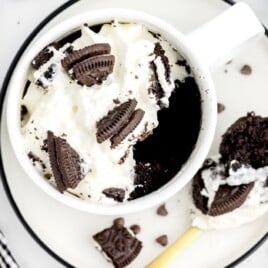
{"x": 71, "y": 111}
{"x": 255, "y": 205}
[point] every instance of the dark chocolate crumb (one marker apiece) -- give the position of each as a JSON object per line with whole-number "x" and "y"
{"x": 116, "y": 101}
{"x": 162, "y": 240}
{"x": 135, "y": 228}
{"x": 123, "y": 158}
{"x": 117, "y": 194}
{"x": 35, "y": 159}
{"x": 162, "y": 211}
{"x": 44, "y": 147}
{"x": 246, "y": 70}
{"x": 220, "y": 107}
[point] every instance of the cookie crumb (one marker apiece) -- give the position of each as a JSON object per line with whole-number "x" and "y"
{"x": 162, "y": 240}
{"x": 162, "y": 211}
{"x": 246, "y": 70}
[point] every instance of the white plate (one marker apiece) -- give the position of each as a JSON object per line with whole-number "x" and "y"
{"x": 68, "y": 232}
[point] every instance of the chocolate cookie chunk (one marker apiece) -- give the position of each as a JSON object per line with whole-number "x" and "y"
{"x": 64, "y": 161}
{"x": 160, "y": 52}
{"x": 93, "y": 70}
{"x": 246, "y": 141}
{"x": 120, "y": 246}
{"x": 79, "y": 55}
{"x": 115, "y": 120}
{"x": 116, "y": 193}
{"x": 155, "y": 86}
{"x": 133, "y": 122}
{"x": 44, "y": 55}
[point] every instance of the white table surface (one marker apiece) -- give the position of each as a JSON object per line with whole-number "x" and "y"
{"x": 17, "y": 19}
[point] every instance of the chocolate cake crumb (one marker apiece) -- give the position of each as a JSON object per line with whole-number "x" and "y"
{"x": 246, "y": 141}
{"x": 220, "y": 108}
{"x": 246, "y": 70}
{"x": 162, "y": 211}
{"x": 162, "y": 240}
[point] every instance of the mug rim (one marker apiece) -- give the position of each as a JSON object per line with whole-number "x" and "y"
{"x": 202, "y": 77}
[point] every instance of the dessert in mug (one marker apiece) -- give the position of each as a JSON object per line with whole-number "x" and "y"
{"x": 110, "y": 113}
{"x": 232, "y": 188}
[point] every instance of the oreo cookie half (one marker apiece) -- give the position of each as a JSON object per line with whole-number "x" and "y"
{"x": 93, "y": 70}
{"x": 120, "y": 246}
{"x": 133, "y": 122}
{"x": 79, "y": 55}
{"x": 227, "y": 198}
{"x": 115, "y": 120}
{"x": 65, "y": 162}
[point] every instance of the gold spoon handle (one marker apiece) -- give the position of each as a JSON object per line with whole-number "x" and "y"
{"x": 172, "y": 251}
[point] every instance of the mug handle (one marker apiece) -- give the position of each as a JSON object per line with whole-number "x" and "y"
{"x": 216, "y": 42}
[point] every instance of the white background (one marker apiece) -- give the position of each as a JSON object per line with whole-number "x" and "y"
{"x": 17, "y": 19}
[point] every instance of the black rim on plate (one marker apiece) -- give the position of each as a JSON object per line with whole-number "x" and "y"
{"x": 28, "y": 40}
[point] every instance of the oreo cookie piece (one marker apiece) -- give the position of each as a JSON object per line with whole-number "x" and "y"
{"x": 227, "y": 198}
{"x": 160, "y": 52}
{"x": 93, "y": 70}
{"x": 133, "y": 122}
{"x": 155, "y": 86}
{"x": 65, "y": 162}
{"x": 44, "y": 55}
{"x": 117, "y": 194}
{"x": 118, "y": 244}
{"x": 115, "y": 120}
{"x": 47, "y": 77}
{"x": 79, "y": 55}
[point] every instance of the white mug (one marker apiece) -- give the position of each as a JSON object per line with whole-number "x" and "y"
{"x": 204, "y": 48}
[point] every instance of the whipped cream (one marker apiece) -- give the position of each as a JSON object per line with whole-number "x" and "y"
{"x": 72, "y": 110}
{"x": 255, "y": 205}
